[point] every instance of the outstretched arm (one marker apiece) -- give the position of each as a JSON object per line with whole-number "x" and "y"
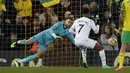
{"x": 70, "y": 36}
{"x": 94, "y": 27}
{"x": 121, "y": 17}
{"x": 72, "y": 31}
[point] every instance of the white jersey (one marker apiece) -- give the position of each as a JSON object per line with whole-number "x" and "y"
{"x": 82, "y": 27}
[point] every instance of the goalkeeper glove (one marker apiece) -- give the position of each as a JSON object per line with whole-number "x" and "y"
{"x": 13, "y": 45}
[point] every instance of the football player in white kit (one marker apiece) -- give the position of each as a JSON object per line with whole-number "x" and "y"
{"x": 81, "y": 29}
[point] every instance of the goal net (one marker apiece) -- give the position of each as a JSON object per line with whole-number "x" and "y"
{"x": 21, "y": 19}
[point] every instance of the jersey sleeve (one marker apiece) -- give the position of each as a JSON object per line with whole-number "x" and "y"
{"x": 72, "y": 29}
{"x": 70, "y": 36}
{"x": 94, "y": 27}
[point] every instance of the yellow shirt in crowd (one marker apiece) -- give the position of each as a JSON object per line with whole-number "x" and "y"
{"x": 24, "y": 8}
{"x": 2, "y": 6}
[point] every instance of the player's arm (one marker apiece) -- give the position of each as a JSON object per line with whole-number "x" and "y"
{"x": 55, "y": 27}
{"x": 94, "y": 27}
{"x": 103, "y": 39}
{"x": 121, "y": 16}
{"x": 72, "y": 29}
{"x": 70, "y": 36}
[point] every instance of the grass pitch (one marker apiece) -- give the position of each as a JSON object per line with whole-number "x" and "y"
{"x": 60, "y": 70}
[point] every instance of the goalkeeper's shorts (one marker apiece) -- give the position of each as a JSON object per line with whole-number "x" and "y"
{"x": 125, "y": 38}
{"x": 44, "y": 39}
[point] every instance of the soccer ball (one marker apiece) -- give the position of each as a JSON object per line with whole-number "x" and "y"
{"x": 112, "y": 42}
{"x": 13, "y": 63}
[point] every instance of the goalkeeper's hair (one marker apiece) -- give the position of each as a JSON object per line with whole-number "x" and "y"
{"x": 69, "y": 18}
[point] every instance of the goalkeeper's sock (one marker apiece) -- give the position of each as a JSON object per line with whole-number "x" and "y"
{"x": 121, "y": 58}
{"x": 29, "y": 58}
{"x": 103, "y": 57}
{"x": 83, "y": 51}
{"x": 21, "y": 41}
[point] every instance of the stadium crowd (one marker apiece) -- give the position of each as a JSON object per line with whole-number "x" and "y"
{"x": 21, "y": 19}
{"x": 18, "y": 20}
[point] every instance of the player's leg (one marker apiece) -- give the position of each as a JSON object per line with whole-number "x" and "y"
{"x": 29, "y": 58}
{"x": 41, "y": 49}
{"x": 29, "y": 41}
{"x": 122, "y": 56}
{"x": 81, "y": 44}
{"x": 101, "y": 54}
{"x": 84, "y": 52}
{"x": 125, "y": 41}
{"x": 35, "y": 38}
{"x": 90, "y": 43}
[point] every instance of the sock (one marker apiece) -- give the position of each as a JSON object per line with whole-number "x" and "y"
{"x": 29, "y": 58}
{"x": 121, "y": 58}
{"x": 84, "y": 51}
{"x": 21, "y": 41}
{"x": 103, "y": 57}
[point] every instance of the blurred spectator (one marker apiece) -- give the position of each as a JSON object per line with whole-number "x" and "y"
{"x": 1, "y": 31}
{"x": 1, "y": 12}
{"x": 50, "y": 15}
{"x": 107, "y": 17}
{"x": 47, "y": 17}
{"x": 10, "y": 14}
{"x": 12, "y": 38}
{"x": 1, "y": 34}
{"x": 94, "y": 12}
{"x": 112, "y": 7}
{"x": 2, "y": 39}
{"x": 67, "y": 13}
{"x": 107, "y": 33}
{"x": 2, "y": 5}
{"x": 26, "y": 21}
{"x": 42, "y": 18}
{"x": 36, "y": 23}
{"x": 19, "y": 20}
{"x": 23, "y": 7}
{"x": 65, "y": 3}
{"x": 68, "y": 5}
{"x": 71, "y": 16}
{"x": 2, "y": 8}
{"x": 0, "y": 21}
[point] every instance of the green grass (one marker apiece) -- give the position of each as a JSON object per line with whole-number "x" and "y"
{"x": 60, "y": 70}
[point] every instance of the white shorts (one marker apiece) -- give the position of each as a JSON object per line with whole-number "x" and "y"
{"x": 88, "y": 43}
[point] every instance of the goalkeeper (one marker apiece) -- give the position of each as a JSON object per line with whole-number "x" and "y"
{"x": 44, "y": 38}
